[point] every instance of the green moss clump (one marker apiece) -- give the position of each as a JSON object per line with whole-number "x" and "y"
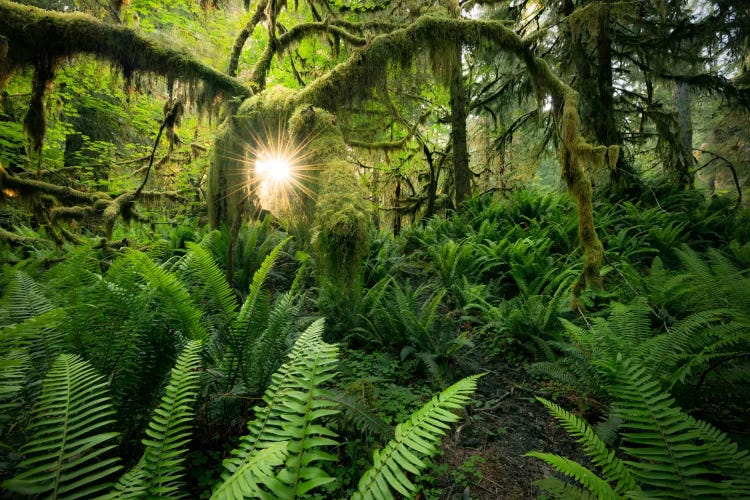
{"x": 342, "y": 225}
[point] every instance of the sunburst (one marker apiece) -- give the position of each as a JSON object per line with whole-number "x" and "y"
{"x": 276, "y": 170}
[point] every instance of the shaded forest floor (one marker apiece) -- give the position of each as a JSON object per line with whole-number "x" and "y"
{"x": 503, "y": 424}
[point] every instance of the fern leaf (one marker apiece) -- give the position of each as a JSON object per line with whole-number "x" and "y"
{"x": 67, "y": 453}
{"x": 269, "y": 348}
{"x": 22, "y": 344}
{"x": 418, "y": 436}
{"x": 258, "y": 279}
{"x": 24, "y": 298}
{"x": 561, "y": 490}
{"x": 294, "y": 405}
{"x": 249, "y": 323}
{"x": 173, "y": 296}
{"x": 209, "y": 285}
{"x": 596, "y": 485}
{"x": 670, "y": 452}
{"x": 160, "y": 468}
{"x": 613, "y": 469}
{"x": 255, "y": 476}
{"x": 365, "y": 420}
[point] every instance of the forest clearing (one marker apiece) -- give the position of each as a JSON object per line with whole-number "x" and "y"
{"x": 374, "y": 249}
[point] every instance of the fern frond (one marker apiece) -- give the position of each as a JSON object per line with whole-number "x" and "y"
{"x": 563, "y": 491}
{"x": 38, "y": 337}
{"x": 24, "y": 298}
{"x": 208, "y": 285}
{"x": 613, "y": 469}
{"x": 256, "y": 286}
{"x": 66, "y": 456}
{"x": 356, "y": 410}
{"x": 596, "y": 485}
{"x": 670, "y": 454}
{"x": 255, "y": 476}
{"x": 249, "y": 323}
{"x": 724, "y": 453}
{"x": 295, "y": 403}
{"x": 418, "y": 436}
{"x": 269, "y": 348}
{"x": 173, "y": 296}
{"x": 160, "y": 468}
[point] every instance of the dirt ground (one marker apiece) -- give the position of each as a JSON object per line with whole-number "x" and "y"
{"x": 504, "y": 424}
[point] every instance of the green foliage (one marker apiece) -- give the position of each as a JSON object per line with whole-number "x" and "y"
{"x": 171, "y": 294}
{"x": 295, "y": 403}
{"x": 159, "y": 470}
{"x": 668, "y": 451}
{"x": 407, "y": 321}
{"x": 252, "y": 330}
{"x": 293, "y": 426}
{"x": 67, "y": 453}
{"x": 415, "y": 438}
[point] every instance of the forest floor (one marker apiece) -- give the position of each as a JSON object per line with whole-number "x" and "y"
{"x": 483, "y": 456}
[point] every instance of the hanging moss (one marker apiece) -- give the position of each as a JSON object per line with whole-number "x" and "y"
{"x": 35, "y": 34}
{"x": 367, "y": 68}
{"x": 35, "y": 121}
{"x": 342, "y": 225}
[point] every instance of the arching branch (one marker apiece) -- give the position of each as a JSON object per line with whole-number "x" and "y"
{"x": 294, "y": 35}
{"x": 33, "y": 34}
{"x": 239, "y": 43}
{"x": 354, "y": 78}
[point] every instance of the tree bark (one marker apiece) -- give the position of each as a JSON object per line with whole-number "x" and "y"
{"x": 33, "y": 34}
{"x": 685, "y": 160}
{"x": 461, "y": 172}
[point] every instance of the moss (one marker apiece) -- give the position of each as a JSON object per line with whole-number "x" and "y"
{"x": 17, "y": 240}
{"x": 71, "y": 213}
{"x": 367, "y": 68}
{"x": 35, "y": 34}
{"x": 35, "y": 121}
{"x": 342, "y": 226}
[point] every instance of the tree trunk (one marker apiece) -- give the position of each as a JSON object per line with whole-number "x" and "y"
{"x": 684, "y": 162}
{"x": 461, "y": 172}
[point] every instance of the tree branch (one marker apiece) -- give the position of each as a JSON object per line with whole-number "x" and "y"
{"x": 239, "y": 43}
{"x": 34, "y": 33}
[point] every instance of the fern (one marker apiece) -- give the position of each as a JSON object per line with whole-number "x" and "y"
{"x": 249, "y": 324}
{"x": 26, "y": 345}
{"x": 66, "y": 456}
{"x": 24, "y": 298}
{"x": 255, "y": 476}
{"x": 669, "y": 451}
{"x": 356, "y": 410}
{"x": 208, "y": 286}
{"x": 418, "y": 436}
{"x": 674, "y": 455}
{"x": 269, "y": 347}
{"x": 593, "y": 483}
{"x": 159, "y": 470}
{"x": 294, "y": 405}
{"x": 613, "y": 469}
{"x": 559, "y": 489}
{"x": 173, "y": 297}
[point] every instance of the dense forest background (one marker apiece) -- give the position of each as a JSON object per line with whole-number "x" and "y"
{"x": 277, "y": 249}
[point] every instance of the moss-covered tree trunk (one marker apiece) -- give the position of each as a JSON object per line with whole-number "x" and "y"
{"x": 684, "y": 161}
{"x": 461, "y": 172}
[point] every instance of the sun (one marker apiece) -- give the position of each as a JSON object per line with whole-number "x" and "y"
{"x": 273, "y": 167}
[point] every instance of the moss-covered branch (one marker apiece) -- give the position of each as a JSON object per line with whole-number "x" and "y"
{"x": 24, "y": 186}
{"x": 34, "y": 34}
{"x": 295, "y": 35}
{"x": 17, "y": 240}
{"x": 355, "y": 78}
{"x": 239, "y": 43}
{"x": 72, "y": 204}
